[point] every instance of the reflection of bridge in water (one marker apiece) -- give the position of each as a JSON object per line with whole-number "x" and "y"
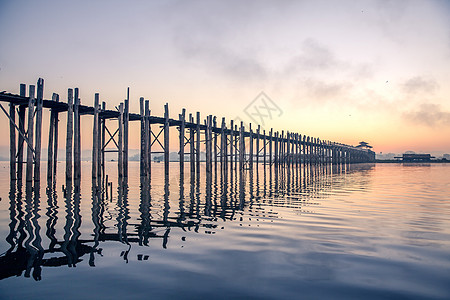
{"x": 199, "y": 207}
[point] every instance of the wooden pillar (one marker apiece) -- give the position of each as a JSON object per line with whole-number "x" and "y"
{"x": 55, "y": 141}
{"x": 12, "y": 141}
{"x": 232, "y": 150}
{"x": 166, "y": 139}
{"x": 250, "y": 150}
{"x": 182, "y": 127}
{"x": 191, "y": 145}
{"x": 52, "y": 138}
{"x": 197, "y": 156}
{"x": 264, "y": 149}
{"x": 38, "y": 134}
{"x": 214, "y": 126}
{"x": 282, "y": 148}
{"x": 236, "y": 141}
{"x": 20, "y": 143}
{"x": 288, "y": 149}
{"x": 77, "y": 137}
{"x": 241, "y": 149}
{"x": 101, "y": 144}
{"x": 30, "y": 135}
{"x": 126, "y": 120}
{"x": 120, "y": 141}
{"x": 69, "y": 137}
{"x": 257, "y": 145}
{"x": 224, "y": 149}
{"x": 270, "y": 147}
{"x": 208, "y": 143}
{"x": 142, "y": 165}
{"x": 147, "y": 140}
{"x": 95, "y": 136}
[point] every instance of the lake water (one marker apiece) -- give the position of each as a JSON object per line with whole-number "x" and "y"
{"x": 362, "y": 231}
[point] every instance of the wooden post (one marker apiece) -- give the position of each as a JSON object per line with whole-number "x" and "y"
{"x": 12, "y": 141}
{"x": 77, "y": 137}
{"x": 166, "y": 139}
{"x": 95, "y": 157}
{"x": 55, "y": 141}
{"x": 197, "y": 156}
{"x": 288, "y": 149}
{"x": 101, "y": 143}
{"x": 208, "y": 143}
{"x": 231, "y": 145}
{"x": 30, "y": 136}
{"x": 241, "y": 149}
{"x": 120, "y": 142}
{"x": 37, "y": 147}
{"x": 143, "y": 171}
{"x": 264, "y": 150}
{"x": 214, "y": 134}
{"x": 257, "y": 146}
{"x": 21, "y": 139}
{"x": 191, "y": 146}
{"x": 223, "y": 143}
{"x": 126, "y": 119}
{"x": 147, "y": 140}
{"x": 270, "y": 147}
{"x": 182, "y": 127}
{"x": 51, "y": 140}
{"x": 69, "y": 136}
{"x": 250, "y": 150}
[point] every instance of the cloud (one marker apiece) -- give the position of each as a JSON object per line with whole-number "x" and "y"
{"x": 419, "y": 84}
{"x": 428, "y": 114}
{"x": 323, "y": 90}
{"x": 314, "y": 57}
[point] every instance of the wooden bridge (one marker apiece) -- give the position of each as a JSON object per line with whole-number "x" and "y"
{"x": 231, "y": 146}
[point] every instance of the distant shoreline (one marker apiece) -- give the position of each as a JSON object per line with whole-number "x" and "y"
{"x": 391, "y": 161}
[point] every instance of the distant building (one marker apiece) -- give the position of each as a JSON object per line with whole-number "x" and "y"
{"x": 409, "y": 157}
{"x": 446, "y": 156}
{"x": 364, "y": 145}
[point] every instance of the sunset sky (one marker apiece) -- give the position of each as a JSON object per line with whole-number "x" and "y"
{"x": 345, "y": 71}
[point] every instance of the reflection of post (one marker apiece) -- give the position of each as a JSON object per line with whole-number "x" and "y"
{"x": 144, "y": 207}
{"x": 166, "y": 211}
{"x": 97, "y": 220}
{"x": 33, "y": 242}
{"x": 52, "y": 216}
{"x": 13, "y": 207}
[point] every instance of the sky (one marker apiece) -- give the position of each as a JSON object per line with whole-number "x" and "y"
{"x": 344, "y": 71}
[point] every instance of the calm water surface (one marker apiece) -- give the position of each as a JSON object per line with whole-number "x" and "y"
{"x": 355, "y": 232}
